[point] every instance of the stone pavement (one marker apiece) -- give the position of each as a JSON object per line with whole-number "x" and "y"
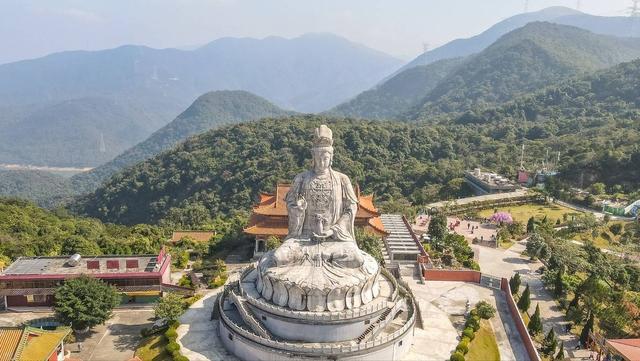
{"x": 116, "y": 340}
{"x": 444, "y": 305}
{"x": 504, "y": 263}
{"x": 198, "y": 334}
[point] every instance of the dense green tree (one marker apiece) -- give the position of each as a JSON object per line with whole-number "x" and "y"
{"x": 485, "y": 310}
{"x": 437, "y": 229}
{"x": 525, "y": 300}
{"x": 550, "y": 343}
{"x": 370, "y": 243}
{"x": 169, "y": 307}
{"x": 531, "y": 225}
{"x": 514, "y": 283}
{"x": 85, "y": 302}
{"x": 535, "y": 323}
{"x": 560, "y": 355}
{"x": 588, "y": 328}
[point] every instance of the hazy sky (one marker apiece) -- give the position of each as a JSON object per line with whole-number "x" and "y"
{"x": 32, "y": 28}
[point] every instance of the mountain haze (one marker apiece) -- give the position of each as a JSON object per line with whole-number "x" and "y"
{"x": 149, "y": 87}
{"x": 210, "y": 110}
{"x": 399, "y": 93}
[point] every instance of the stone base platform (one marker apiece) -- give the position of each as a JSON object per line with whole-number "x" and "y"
{"x": 254, "y": 329}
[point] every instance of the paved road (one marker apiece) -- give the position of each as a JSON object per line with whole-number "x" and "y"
{"x": 117, "y": 339}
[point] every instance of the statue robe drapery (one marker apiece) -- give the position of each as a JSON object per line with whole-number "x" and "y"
{"x": 342, "y": 210}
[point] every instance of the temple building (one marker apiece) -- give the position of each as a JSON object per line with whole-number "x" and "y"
{"x": 269, "y": 217}
{"x": 31, "y": 281}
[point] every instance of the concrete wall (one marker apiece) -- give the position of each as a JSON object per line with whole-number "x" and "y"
{"x": 309, "y": 331}
{"x": 517, "y": 319}
{"x": 452, "y": 275}
{"x": 248, "y": 350}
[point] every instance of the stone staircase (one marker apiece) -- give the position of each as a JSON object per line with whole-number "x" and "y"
{"x": 400, "y": 242}
{"x": 248, "y": 317}
{"x": 373, "y": 325}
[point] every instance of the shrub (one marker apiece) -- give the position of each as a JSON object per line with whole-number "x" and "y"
{"x": 485, "y": 310}
{"x": 180, "y": 358}
{"x": 468, "y": 333}
{"x": 171, "y": 334}
{"x": 144, "y": 332}
{"x": 616, "y": 228}
{"x": 462, "y": 348}
{"x": 456, "y": 356}
{"x": 473, "y": 322}
{"x": 172, "y": 346}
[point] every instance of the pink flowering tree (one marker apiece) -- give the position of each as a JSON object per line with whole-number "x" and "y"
{"x": 501, "y": 218}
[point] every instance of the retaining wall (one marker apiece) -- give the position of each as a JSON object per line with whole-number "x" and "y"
{"x": 452, "y": 275}
{"x": 517, "y": 319}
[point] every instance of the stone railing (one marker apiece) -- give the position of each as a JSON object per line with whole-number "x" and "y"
{"x": 390, "y": 317}
{"x": 316, "y": 348}
{"x": 385, "y": 272}
{"x": 416, "y": 307}
{"x": 247, "y": 317}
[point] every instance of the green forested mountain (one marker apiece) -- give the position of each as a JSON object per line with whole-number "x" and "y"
{"x": 79, "y": 132}
{"x": 522, "y": 61}
{"x": 592, "y": 121}
{"x": 399, "y": 93}
{"x": 208, "y": 111}
{"x": 621, "y": 26}
{"x": 28, "y": 230}
{"x": 44, "y": 188}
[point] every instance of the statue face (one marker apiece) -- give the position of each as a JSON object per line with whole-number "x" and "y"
{"x": 322, "y": 159}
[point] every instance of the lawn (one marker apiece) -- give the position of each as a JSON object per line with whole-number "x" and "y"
{"x": 484, "y": 346}
{"x": 523, "y": 212}
{"x": 152, "y": 349}
{"x": 601, "y": 240}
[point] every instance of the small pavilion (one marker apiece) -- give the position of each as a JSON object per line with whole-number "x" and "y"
{"x": 269, "y": 217}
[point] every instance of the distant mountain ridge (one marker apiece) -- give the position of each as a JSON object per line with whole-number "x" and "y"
{"x": 150, "y": 87}
{"x": 209, "y": 111}
{"x": 522, "y": 61}
{"x": 401, "y": 92}
{"x": 616, "y": 26}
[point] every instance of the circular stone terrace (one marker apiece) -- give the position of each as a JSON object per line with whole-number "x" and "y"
{"x": 254, "y": 329}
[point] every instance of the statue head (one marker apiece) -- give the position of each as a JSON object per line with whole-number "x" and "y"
{"x": 322, "y": 151}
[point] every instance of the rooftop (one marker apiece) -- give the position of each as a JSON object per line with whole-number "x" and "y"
{"x": 29, "y": 344}
{"x": 86, "y": 265}
{"x": 490, "y": 179}
{"x": 628, "y": 348}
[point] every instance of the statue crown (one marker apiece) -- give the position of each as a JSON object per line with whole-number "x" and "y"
{"x": 323, "y": 137}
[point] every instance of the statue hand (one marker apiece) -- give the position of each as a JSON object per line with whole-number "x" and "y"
{"x": 324, "y": 235}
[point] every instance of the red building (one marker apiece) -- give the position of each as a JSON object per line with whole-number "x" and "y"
{"x": 31, "y": 281}
{"x": 269, "y": 217}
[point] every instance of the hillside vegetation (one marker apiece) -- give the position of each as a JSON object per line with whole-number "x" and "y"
{"x": 28, "y": 230}
{"x": 44, "y": 188}
{"x": 210, "y": 110}
{"x": 525, "y": 60}
{"x": 398, "y": 94}
{"x": 222, "y": 171}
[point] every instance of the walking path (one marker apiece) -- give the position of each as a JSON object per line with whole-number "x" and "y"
{"x": 504, "y": 263}
{"x": 198, "y": 334}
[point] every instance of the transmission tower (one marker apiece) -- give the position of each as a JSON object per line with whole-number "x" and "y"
{"x": 634, "y": 15}
{"x": 634, "y": 10}
{"x": 425, "y": 47}
{"x": 578, "y": 5}
{"x": 526, "y": 6}
{"x": 101, "y": 146}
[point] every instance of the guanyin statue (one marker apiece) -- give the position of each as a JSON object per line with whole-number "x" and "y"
{"x": 320, "y": 250}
